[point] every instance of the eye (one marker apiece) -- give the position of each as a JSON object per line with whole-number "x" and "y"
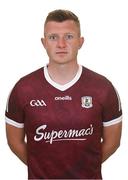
{"x": 53, "y": 37}
{"x": 69, "y": 36}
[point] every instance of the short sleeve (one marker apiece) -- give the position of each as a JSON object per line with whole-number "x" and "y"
{"x": 112, "y": 111}
{"x": 14, "y": 114}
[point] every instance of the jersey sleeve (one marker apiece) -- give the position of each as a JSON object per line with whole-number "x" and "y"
{"x": 112, "y": 111}
{"x": 14, "y": 114}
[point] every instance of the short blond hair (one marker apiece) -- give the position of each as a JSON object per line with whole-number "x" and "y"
{"x": 61, "y": 15}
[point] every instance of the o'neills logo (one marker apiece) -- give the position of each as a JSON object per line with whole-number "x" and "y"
{"x": 63, "y": 98}
{"x": 62, "y": 135}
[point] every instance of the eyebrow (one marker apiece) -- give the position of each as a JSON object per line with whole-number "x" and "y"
{"x": 48, "y": 34}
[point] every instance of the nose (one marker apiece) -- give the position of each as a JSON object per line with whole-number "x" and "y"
{"x": 61, "y": 43}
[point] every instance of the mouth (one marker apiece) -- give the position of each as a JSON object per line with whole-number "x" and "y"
{"x": 61, "y": 52}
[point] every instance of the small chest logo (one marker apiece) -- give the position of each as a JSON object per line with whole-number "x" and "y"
{"x": 37, "y": 102}
{"x": 86, "y": 102}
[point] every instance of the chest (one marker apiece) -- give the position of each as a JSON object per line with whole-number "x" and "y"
{"x": 63, "y": 110}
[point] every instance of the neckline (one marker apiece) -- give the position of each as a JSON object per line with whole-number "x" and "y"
{"x": 65, "y": 86}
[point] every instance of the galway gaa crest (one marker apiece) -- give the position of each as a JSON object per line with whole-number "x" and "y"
{"x": 86, "y": 102}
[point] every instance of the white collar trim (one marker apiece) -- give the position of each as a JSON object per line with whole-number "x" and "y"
{"x": 65, "y": 86}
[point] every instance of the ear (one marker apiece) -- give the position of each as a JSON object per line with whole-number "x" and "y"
{"x": 81, "y": 42}
{"x": 43, "y": 41}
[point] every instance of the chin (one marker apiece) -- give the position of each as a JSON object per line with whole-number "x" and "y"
{"x": 61, "y": 61}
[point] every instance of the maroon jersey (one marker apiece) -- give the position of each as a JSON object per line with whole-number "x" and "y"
{"x": 63, "y": 123}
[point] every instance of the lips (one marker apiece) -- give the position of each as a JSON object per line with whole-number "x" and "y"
{"x": 61, "y": 52}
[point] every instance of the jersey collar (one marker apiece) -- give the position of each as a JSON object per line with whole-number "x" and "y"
{"x": 65, "y": 86}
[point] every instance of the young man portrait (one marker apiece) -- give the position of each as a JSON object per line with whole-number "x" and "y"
{"x": 63, "y": 120}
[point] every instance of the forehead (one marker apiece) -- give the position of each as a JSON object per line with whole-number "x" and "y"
{"x": 61, "y": 27}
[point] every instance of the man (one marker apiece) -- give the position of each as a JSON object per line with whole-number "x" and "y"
{"x": 70, "y": 115}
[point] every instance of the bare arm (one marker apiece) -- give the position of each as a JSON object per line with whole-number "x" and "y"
{"x": 16, "y": 142}
{"x": 111, "y": 140}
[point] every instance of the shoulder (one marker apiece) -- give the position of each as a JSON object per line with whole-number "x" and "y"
{"x": 33, "y": 76}
{"x": 29, "y": 81}
{"x": 95, "y": 79}
{"x": 98, "y": 84}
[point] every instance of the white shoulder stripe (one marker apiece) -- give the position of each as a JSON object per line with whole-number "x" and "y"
{"x": 14, "y": 123}
{"x": 119, "y": 102}
{"x": 112, "y": 122}
{"x": 8, "y": 101}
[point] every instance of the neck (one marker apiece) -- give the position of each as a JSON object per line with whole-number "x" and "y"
{"x": 62, "y": 73}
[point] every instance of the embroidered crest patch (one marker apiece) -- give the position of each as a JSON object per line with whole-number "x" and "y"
{"x": 86, "y": 102}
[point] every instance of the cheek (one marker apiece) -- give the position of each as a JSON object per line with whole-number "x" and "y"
{"x": 74, "y": 48}
{"x": 50, "y": 51}
{"x": 75, "y": 45}
{"x": 48, "y": 47}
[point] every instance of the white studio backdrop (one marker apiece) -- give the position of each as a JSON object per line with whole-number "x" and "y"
{"x": 104, "y": 25}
